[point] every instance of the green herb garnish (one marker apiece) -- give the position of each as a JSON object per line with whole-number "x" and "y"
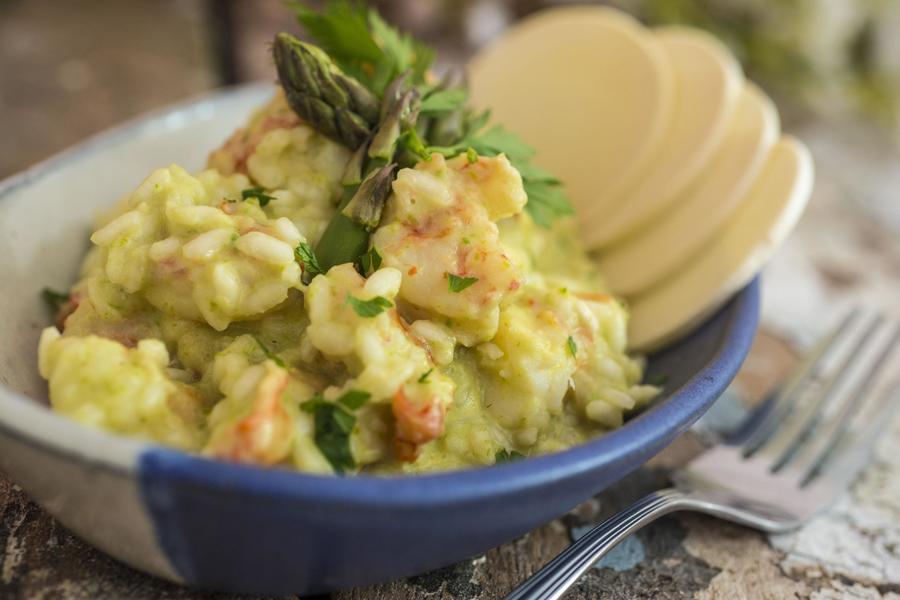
{"x": 458, "y": 284}
{"x": 370, "y": 261}
{"x": 503, "y": 455}
{"x": 354, "y": 399}
{"x": 363, "y": 85}
{"x": 307, "y": 259}
{"x": 445, "y": 101}
{"x": 54, "y": 300}
{"x": 369, "y": 308}
{"x": 573, "y": 348}
{"x": 269, "y": 354}
{"x": 333, "y": 426}
{"x": 258, "y": 193}
{"x": 363, "y": 45}
{"x": 424, "y": 377}
{"x": 471, "y": 155}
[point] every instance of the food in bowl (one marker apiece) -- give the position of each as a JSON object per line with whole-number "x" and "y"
{"x": 367, "y": 277}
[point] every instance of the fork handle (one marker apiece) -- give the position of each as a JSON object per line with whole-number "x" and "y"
{"x": 551, "y": 582}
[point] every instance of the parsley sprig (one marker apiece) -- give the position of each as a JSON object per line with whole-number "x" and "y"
{"x": 503, "y": 455}
{"x": 54, "y": 300}
{"x": 259, "y": 193}
{"x": 333, "y": 424}
{"x": 307, "y": 259}
{"x": 369, "y": 308}
{"x": 457, "y": 284}
{"x": 362, "y": 44}
{"x": 361, "y": 61}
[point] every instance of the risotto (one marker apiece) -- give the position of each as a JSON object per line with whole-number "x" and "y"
{"x": 466, "y": 335}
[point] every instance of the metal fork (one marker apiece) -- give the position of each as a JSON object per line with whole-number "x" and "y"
{"x": 790, "y": 459}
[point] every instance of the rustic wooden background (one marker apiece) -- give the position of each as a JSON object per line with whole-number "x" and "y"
{"x": 70, "y": 69}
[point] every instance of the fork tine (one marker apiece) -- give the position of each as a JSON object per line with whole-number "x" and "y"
{"x": 830, "y": 428}
{"x": 843, "y": 462}
{"x": 800, "y": 378}
{"x": 791, "y": 433}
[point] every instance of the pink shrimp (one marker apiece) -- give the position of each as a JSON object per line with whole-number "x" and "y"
{"x": 416, "y": 423}
{"x": 263, "y": 436}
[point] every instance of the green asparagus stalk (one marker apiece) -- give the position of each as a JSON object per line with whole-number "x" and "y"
{"x": 341, "y": 108}
{"x": 400, "y": 108}
{"x": 367, "y": 203}
{"x": 344, "y": 240}
{"x": 333, "y": 103}
{"x": 368, "y": 177}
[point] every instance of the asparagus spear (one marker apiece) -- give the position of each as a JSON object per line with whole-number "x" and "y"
{"x": 365, "y": 207}
{"x": 372, "y": 169}
{"x": 333, "y": 103}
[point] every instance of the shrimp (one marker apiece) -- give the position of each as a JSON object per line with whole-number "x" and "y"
{"x": 439, "y": 230}
{"x": 263, "y": 436}
{"x": 417, "y": 421}
{"x": 232, "y": 156}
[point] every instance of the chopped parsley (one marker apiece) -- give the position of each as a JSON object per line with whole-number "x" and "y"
{"x": 444, "y": 101}
{"x": 369, "y": 308}
{"x": 659, "y": 379}
{"x": 54, "y": 300}
{"x": 503, "y": 455}
{"x": 424, "y": 377}
{"x": 307, "y": 259}
{"x": 333, "y": 425}
{"x": 353, "y": 399}
{"x": 458, "y": 284}
{"x": 573, "y": 347}
{"x": 258, "y": 193}
{"x": 471, "y": 155}
{"x": 269, "y": 354}
{"x": 370, "y": 261}
{"x": 365, "y": 47}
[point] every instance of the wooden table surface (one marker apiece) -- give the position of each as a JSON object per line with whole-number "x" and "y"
{"x": 71, "y": 69}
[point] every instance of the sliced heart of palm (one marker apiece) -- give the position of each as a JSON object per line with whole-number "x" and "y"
{"x": 588, "y": 87}
{"x": 661, "y": 247}
{"x": 708, "y": 81}
{"x": 734, "y": 256}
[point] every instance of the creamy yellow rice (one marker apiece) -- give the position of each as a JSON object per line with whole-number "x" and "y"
{"x": 191, "y": 324}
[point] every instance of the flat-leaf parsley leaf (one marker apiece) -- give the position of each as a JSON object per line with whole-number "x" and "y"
{"x": 353, "y": 399}
{"x": 333, "y": 425}
{"x": 458, "y": 284}
{"x": 307, "y": 258}
{"x": 258, "y": 193}
{"x": 369, "y": 308}
{"x": 504, "y": 455}
{"x": 54, "y": 299}
{"x": 370, "y": 261}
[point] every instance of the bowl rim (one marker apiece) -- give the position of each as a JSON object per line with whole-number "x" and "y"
{"x": 33, "y": 423}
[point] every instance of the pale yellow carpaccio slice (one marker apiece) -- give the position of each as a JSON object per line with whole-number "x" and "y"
{"x": 587, "y": 86}
{"x": 734, "y": 256}
{"x": 708, "y": 81}
{"x": 661, "y": 247}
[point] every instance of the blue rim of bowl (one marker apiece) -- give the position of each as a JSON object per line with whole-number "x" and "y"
{"x": 123, "y": 455}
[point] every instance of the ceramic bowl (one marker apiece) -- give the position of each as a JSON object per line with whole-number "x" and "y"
{"x": 243, "y": 529}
